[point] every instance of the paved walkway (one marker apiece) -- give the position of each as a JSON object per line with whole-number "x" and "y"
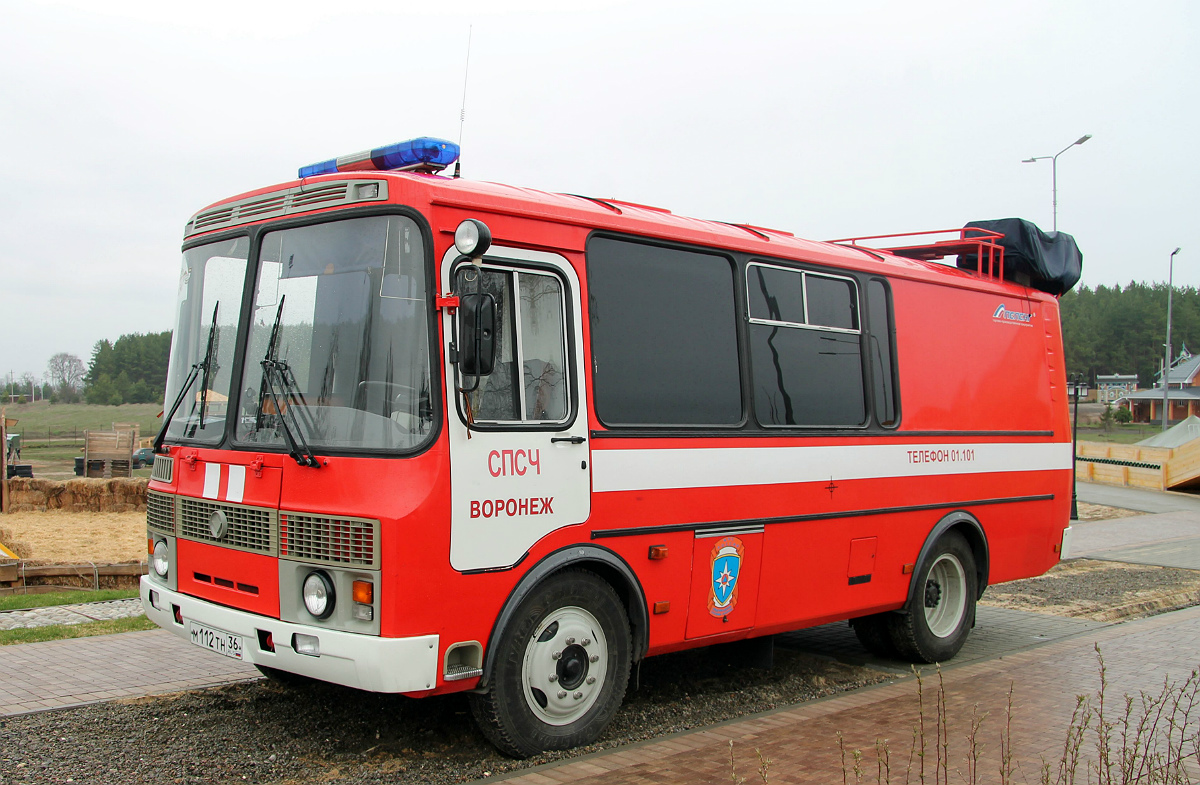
{"x": 1168, "y": 539}
{"x": 71, "y": 614}
{"x": 1138, "y": 499}
{"x": 801, "y": 741}
{"x": 57, "y": 674}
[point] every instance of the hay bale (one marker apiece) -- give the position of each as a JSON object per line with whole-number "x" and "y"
{"x": 78, "y": 495}
{"x": 22, "y": 549}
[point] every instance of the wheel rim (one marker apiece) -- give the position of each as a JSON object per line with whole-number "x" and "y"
{"x": 566, "y": 661}
{"x": 945, "y": 595}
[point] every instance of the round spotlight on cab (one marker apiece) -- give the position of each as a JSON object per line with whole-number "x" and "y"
{"x": 318, "y": 594}
{"x": 472, "y": 238}
{"x": 160, "y": 561}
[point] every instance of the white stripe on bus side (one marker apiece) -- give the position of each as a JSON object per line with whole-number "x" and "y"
{"x": 659, "y": 469}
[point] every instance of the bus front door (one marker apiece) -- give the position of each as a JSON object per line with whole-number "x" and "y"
{"x": 519, "y": 456}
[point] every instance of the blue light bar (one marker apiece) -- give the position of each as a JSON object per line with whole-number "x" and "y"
{"x": 424, "y": 153}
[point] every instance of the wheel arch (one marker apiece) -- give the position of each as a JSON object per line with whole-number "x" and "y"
{"x": 606, "y": 565}
{"x": 971, "y": 529}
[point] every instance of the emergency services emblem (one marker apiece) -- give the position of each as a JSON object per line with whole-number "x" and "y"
{"x": 726, "y": 564}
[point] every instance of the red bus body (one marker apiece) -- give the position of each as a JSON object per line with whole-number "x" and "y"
{"x": 831, "y": 523}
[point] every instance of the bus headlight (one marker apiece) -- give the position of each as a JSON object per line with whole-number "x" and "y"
{"x": 160, "y": 562}
{"x": 318, "y": 594}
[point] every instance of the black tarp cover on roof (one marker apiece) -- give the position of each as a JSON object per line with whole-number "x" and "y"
{"x": 1049, "y": 261}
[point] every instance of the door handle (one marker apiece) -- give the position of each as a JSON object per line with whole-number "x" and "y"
{"x": 571, "y": 439}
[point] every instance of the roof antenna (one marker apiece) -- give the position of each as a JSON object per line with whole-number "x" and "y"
{"x": 462, "y": 115}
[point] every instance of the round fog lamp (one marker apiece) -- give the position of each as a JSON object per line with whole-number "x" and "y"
{"x": 318, "y": 594}
{"x": 159, "y": 560}
{"x": 472, "y": 238}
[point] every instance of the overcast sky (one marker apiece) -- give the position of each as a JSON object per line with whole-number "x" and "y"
{"x": 119, "y": 120}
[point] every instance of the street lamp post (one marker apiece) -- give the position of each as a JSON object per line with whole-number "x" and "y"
{"x": 1076, "y": 380}
{"x": 1054, "y": 169}
{"x": 1167, "y": 356}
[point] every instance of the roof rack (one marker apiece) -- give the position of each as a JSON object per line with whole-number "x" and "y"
{"x": 983, "y": 244}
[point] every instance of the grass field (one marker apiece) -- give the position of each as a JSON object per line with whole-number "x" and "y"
{"x": 34, "y": 419}
{"x": 1118, "y": 434}
{"x": 20, "y": 601}
{"x": 60, "y": 632}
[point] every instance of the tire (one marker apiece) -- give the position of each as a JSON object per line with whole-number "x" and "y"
{"x": 874, "y": 634}
{"x": 286, "y": 678}
{"x": 561, "y": 668}
{"x": 942, "y": 610}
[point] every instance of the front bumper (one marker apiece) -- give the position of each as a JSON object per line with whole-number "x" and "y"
{"x": 366, "y": 662}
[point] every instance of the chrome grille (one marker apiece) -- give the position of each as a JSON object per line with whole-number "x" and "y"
{"x": 250, "y": 528}
{"x": 164, "y": 468}
{"x": 287, "y": 202}
{"x": 160, "y": 512}
{"x": 319, "y": 196}
{"x": 325, "y": 540}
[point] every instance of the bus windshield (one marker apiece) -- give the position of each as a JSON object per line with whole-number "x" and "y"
{"x": 338, "y": 351}
{"x": 210, "y": 285}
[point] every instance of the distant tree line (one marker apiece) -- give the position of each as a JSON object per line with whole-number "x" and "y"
{"x": 133, "y": 369}
{"x": 1110, "y": 330}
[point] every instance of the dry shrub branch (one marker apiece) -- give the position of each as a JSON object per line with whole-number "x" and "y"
{"x": 1153, "y": 739}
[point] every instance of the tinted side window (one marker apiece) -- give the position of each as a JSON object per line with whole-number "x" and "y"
{"x": 807, "y": 371}
{"x": 832, "y": 302}
{"x": 664, "y": 335}
{"x": 775, "y": 294}
{"x": 883, "y": 367}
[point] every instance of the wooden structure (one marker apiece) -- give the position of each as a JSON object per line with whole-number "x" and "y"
{"x": 108, "y": 454}
{"x": 133, "y": 427}
{"x": 1158, "y": 468}
{"x": 21, "y": 578}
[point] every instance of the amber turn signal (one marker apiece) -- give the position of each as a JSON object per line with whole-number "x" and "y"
{"x": 364, "y": 592}
{"x": 658, "y": 552}
{"x": 662, "y": 607}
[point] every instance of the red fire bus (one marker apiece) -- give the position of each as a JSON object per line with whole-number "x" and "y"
{"x": 426, "y": 435}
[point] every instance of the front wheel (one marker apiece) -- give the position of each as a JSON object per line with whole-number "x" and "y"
{"x": 561, "y": 668}
{"x": 942, "y": 609}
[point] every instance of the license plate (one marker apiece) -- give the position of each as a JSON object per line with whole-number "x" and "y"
{"x": 216, "y": 640}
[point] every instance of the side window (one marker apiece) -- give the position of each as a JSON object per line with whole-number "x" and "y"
{"x": 664, "y": 335}
{"x": 529, "y": 382}
{"x": 881, "y": 350}
{"x": 805, "y": 344}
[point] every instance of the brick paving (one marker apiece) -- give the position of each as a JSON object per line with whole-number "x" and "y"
{"x": 801, "y": 741}
{"x": 1093, "y": 538}
{"x": 998, "y": 631}
{"x": 70, "y": 614}
{"x": 58, "y": 674}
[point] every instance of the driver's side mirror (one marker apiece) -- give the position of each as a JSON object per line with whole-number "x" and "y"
{"x": 477, "y": 334}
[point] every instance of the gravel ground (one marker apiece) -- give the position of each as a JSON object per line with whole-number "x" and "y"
{"x": 264, "y": 732}
{"x": 1100, "y": 590}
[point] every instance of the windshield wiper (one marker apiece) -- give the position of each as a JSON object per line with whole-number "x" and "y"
{"x": 203, "y": 365}
{"x": 277, "y": 371}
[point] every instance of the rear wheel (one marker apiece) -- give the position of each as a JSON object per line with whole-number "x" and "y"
{"x": 561, "y": 668}
{"x": 942, "y": 609}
